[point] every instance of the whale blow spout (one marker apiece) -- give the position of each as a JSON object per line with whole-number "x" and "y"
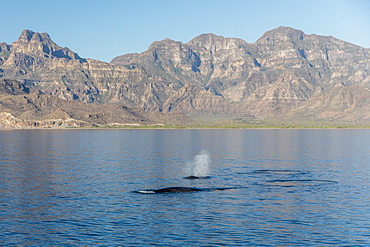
{"x": 199, "y": 168}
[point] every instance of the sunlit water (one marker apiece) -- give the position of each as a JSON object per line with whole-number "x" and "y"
{"x": 289, "y": 187}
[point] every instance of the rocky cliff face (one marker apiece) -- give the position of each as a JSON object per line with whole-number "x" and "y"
{"x": 282, "y": 74}
{"x": 283, "y": 69}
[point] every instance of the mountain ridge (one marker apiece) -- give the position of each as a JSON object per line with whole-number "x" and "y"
{"x": 270, "y": 79}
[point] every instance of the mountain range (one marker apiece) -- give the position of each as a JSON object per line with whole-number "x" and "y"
{"x": 285, "y": 75}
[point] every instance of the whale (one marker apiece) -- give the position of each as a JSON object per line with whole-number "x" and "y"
{"x": 170, "y": 190}
{"x": 180, "y": 190}
{"x": 197, "y": 177}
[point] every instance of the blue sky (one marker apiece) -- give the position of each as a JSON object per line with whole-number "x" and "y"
{"x": 108, "y": 28}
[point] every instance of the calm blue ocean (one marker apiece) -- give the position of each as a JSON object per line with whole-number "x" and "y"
{"x": 286, "y": 187}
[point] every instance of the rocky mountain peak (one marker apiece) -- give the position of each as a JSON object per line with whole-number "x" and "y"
{"x": 33, "y": 42}
{"x": 282, "y": 34}
{"x": 29, "y": 39}
{"x": 214, "y": 42}
{"x": 28, "y": 36}
{"x": 164, "y": 44}
{"x": 207, "y": 38}
{"x": 4, "y": 47}
{"x": 41, "y": 44}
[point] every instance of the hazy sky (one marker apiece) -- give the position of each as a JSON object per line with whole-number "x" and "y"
{"x": 108, "y": 28}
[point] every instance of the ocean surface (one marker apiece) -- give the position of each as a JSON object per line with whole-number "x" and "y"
{"x": 280, "y": 187}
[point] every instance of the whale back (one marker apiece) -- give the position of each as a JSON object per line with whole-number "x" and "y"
{"x": 177, "y": 190}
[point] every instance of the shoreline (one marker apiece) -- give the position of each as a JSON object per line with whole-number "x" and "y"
{"x": 189, "y": 128}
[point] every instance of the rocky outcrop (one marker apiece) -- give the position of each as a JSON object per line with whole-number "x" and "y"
{"x": 13, "y": 87}
{"x": 8, "y": 121}
{"x": 280, "y": 74}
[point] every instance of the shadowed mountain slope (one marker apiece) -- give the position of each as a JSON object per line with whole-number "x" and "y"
{"x": 25, "y": 108}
